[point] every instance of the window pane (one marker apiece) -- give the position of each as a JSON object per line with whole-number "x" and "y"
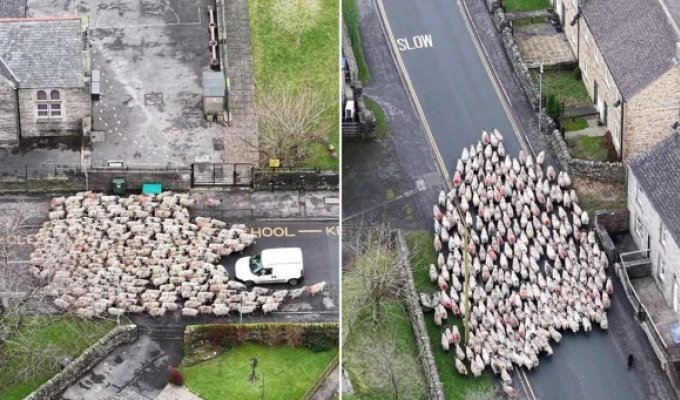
{"x": 42, "y": 113}
{"x": 56, "y": 113}
{"x": 42, "y": 95}
{"x": 55, "y": 106}
{"x": 54, "y": 95}
{"x": 42, "y": 106}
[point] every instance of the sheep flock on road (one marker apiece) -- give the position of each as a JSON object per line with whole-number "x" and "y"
{"x": 534, "y": 267}
{"x": 113, "y": 255}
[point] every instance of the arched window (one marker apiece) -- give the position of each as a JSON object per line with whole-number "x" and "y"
{"x": 48, "y": 108}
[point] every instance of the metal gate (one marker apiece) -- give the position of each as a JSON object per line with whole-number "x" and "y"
{"x": 221, "y": 174}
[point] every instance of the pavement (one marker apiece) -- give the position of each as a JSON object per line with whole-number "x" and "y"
{"x": 382, "y": 179}
{"x": 172, "y": 392}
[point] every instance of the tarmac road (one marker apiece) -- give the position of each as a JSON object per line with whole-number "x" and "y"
{"x": 456, "y": 99}
{"x": 453, "y": 89}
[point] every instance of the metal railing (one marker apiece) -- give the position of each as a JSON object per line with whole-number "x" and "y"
{"x": 41, "y": 171}
{"x": 664, "y": 353}
{"x": 637, "y": 257}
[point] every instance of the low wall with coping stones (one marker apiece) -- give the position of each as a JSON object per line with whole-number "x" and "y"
{"x": 609, "y": 172}
{"x": 418, "y": 322}
{"x": 52, "y": 389}
{"x": 610, "y": 221}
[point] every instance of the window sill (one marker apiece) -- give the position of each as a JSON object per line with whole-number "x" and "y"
{"x": 49, "y": 119}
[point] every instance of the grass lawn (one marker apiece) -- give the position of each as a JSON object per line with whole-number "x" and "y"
{"x": 456, "y": 386}
{"x": 564, "y": 86}
{"x": 288, "y": 373}
{"x": 382, "y": 128}
{"x": 276, "y": 58}
{"x": 41, "y": 343}
{"x": 587, "y": 148}
{"x": 350, "y": 15}
{"x": 575, "y": 125}
{"x": 525, "y": 5}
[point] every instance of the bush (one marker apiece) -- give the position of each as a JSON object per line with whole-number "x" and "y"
{"x": 608, "y": 143}
{"x": 176, "y": 377}
{"x": 320, "y": 338}
{"x": 577, "y": 73}
{"x": 552, "y": 106}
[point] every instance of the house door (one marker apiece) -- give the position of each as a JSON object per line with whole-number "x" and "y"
{"x": 595, "y": 93}
{"x": 602, "y": 107}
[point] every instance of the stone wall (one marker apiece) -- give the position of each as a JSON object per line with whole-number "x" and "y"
{"x": 606, "y": 222}
{"x": 52, "y": 389}
{"x": 512, "y": 50}
{"x": 648, "y": 116}
{"x": 311, "y": 180}
{"x": 609, "y": 172}
{"x": 75, "y": 105}
{"x": 365, "y": 124}
{"x": 175, "y": 180}
{"x": 9, "y": 114}
{"x": 418, "y": 323}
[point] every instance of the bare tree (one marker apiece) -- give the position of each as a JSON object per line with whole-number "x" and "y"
{"x": 296, "y": 16}
{"x": 391, "y": 371}
{"x": 374, "y": 274}
{"x": 288, "y": 120}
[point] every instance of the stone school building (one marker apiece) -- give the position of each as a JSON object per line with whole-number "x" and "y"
{"x": 44, "y": 78}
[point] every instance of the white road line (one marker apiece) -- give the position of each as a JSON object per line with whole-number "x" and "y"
{"x": 310, "y": 231}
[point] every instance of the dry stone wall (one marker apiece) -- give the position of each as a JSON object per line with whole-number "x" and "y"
{"x": 52, "y": 389}
{"x": 609, "y": 172}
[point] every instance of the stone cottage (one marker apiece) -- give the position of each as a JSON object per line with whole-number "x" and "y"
{"x": 629, "y": 58}
{"x": 44, "y": 78}
{"x": 654, "y": 206}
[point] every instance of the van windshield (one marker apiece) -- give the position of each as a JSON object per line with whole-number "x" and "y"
{"x": 256, "y": 263}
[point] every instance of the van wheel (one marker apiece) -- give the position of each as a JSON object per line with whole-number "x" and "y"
{"x": 249, "y": 283}
{"x": 293, "y": 282}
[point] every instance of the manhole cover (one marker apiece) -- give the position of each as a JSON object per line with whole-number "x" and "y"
{"x": 420, "y": 185}
{"x": 153, "y": 99}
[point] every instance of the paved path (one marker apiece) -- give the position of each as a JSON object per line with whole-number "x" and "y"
{"x": 172, "y": 392}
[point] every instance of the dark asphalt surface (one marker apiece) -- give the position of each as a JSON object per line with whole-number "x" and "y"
{"x": 139, "y": 370}
{"x": 459, "y": 100}
{"x": 449, "y": 78}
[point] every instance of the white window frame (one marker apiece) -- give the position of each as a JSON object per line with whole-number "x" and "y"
{"x": 638, "y": 225}
{"x": 661, "y": 269}
{"x": 573, "y": 34}
{"x": 597, "y": 60}
{"x": 638, "y": 196}
{"x": 52, "y": 108}
{"x": 606, "y": 76}
{"x": 585, "y": 35}
{"x": 585, "y": 67}
{"x": 663, "y": 235}
{"x": 575, "y": 2}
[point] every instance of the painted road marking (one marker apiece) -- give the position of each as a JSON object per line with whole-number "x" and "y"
{"x": 414, "y": 97}
{"x": 416, "y": 42}
{"x": 267, "y": 231}
{"x": 310, "y": 231}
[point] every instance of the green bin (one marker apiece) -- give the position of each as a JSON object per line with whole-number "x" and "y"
{"x": 118, "y": 186}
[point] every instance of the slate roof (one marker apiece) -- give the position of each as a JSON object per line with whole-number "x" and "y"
{"x": 636, "y": 39}
{"x": 12, "y": 8}
{"x": 656, "y": 171}
{"x": 43, "y": 53}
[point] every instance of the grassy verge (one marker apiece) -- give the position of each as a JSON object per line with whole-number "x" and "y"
{"x": 575, "y": 125}
{"x": 286, "y": 372}
{"x": 564, "y": 85}
{"x": 456, "y": 386}
{"x": 525, "y": 5}
{"x": 366, "y": 336}
{"x": 382, "y": 128}
{"x": 350, "y": 15}
{"x": 587, "y": 148}
{"x": 277, "y": 58}
{"x": 33, "y": 355}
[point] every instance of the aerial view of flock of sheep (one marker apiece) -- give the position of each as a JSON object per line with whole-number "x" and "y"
{"x": 102, "y": 254}
{"x": 534, "y": 267}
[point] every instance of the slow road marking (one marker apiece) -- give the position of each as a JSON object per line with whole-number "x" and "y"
{"x": 416, "y": 42}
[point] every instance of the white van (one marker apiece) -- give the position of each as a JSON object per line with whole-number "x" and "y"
{"x": 281, "y": 265}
